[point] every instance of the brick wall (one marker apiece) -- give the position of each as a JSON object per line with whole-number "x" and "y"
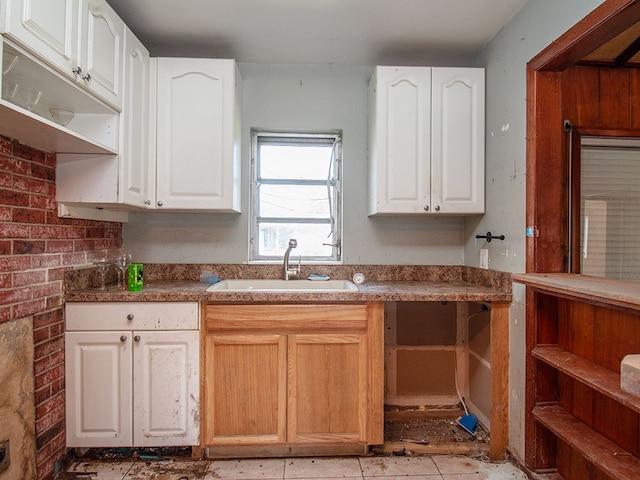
{"x": 36, "y": 249}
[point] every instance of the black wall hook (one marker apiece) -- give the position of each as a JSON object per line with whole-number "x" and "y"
{"x": 490, "y": 237}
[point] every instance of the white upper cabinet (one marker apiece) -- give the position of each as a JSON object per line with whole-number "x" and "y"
{"x": 198, "y": 130}
{"x": 134, "y": 125}
{"x": 83, "y": 39}
{"x": 100, "y": 47}
{"x": 426, "y": 141}
{"x": 47, "y": 27}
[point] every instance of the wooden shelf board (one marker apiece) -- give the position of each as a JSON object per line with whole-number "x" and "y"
{"x": 594, "y": 290}
{"x": 591, "y": 374}
{"x": 596, "y": 449}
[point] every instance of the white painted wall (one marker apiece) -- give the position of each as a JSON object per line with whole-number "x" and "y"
{"x": 302, "y": 98}
{"x": 505, "y": 58}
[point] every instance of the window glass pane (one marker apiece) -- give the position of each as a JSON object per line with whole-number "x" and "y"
{"x": 294, "y": 201}
{"x": 610, "y": 212}
{"x": 309, "y": 162}
{"x": 274, "y": 238}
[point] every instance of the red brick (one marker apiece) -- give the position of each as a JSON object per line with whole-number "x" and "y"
{"x": 5, "y": 214}
{"x": 11, "y": 197}
{"x": 5, "y": 280}
{"x": 5, "y": 247}
{"x": 42, "y": 201}
{"x": 50, "y": 161}
{"x": 49, "y": 376}
{"x": 75, "y": 258}
{"x": 49, "y": 290}
{"x": 31, "y": 185}
{"x": 6, "y": 180}
{"x": 28, "y": 215}
{"x": 43, "y": 172}
{"x": 21, "y": 279}
{"x": 47, "y": 318}
{"x": 15, "y": 295}
{"x": 59, "y": 246}
{"x": 95, "y": 232}
{"x": 6, "y": 145}
{"x": 5, "y": 314}
{"x": 44, "y": 231}
{"x": 48, "y": 348}
{"x": 22, "y": 247}
{"x": 28, "y": 153}
{"x": 56, "y": 274}
{"x": 14, "y": 230}
{"x": 109, "y": 244}
{"x": 46, "y": 261}
{"x": 14, "y": 263}
{"x": 113, "y": 232}
{"x": 83, "y": 245}
{"x": 26, "y": 309}
{"x": 72, "y": 232}
{"x": 41, "y": 394}
{"x": 14, "y": 165}
{"x": 49, "y": 405}
{"x": 42, "y": 335}
{"x": 54, "y": 302}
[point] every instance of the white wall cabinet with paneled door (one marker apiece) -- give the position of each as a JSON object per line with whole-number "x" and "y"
{"x": 426, "y": 141}
{"x": 82, "y": 39}
{"x": 198, "y": 129}
{"x": 89, "y": 185}
{"x": 132, "y": 374}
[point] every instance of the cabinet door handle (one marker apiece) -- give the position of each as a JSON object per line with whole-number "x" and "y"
{"x": 87, "y": 77}
{"x": 426, "y": 208}
{"x": 136, "y": 338}
{"x": 147, "y": 202}
{"x": 77, "y": 70}
{"x": 130, "y": 317}
{"x": 159, "y": 203}
{"x": 437, "y": 207}
{"x": 123, "y": 338}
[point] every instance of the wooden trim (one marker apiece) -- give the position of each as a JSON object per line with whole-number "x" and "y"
{"x": 605, "y": 22}
{"x": 375, "y": 348}
{"x": 499, "y": 380}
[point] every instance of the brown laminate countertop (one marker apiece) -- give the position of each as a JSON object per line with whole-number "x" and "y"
{"x": 185, "y": 290}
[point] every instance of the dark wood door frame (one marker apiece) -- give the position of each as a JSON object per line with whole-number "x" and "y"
{"x": 547, "y": 243}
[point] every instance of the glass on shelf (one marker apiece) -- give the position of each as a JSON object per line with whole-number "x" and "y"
{"x": 122, "y": 262}
{"x": 101, "y": 263}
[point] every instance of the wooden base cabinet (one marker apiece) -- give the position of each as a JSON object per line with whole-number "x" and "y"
{"x": 293, "y": 375}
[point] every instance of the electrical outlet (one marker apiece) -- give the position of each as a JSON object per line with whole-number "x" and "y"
{"x": 484, "y": 258}
{"x": 5, "y": 456}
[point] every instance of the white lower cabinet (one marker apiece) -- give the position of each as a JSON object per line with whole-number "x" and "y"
{"x": 132, "y": 374}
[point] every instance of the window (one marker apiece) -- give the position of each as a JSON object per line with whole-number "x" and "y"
{"x": 296, "y": 194}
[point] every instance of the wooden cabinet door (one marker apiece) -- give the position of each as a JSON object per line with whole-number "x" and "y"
{"x": 101, "y": 50}
{"x": 400, "y": 140}
{"x": 98, "y": 376}
{"x": 46, "y": 27}
{"x": 166, "y": 384}
{"x": 245, "y": 389}
{"x": 327, "y": 388}
{"x": 134, "y": 131}
{"x": 457, "y": 160}
{"x": 197, "y": 153}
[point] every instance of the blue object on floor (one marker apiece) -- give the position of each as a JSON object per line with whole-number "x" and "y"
{"x": 468, "y": 422}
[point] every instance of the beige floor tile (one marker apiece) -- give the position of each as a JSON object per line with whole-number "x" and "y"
{"x": 246, "y": 469}
{"x": 398, "y": 466}
{"x": 329, "y": 467}
{"x": 168, "y": 470}
{"x": 466, "y": 468}
{"x": 102, "y": 470}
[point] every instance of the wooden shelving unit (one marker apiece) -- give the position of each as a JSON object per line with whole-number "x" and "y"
{"x": 582, "y": 425}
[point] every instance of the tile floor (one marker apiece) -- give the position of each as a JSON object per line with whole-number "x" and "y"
{"x": 437, "y": 467}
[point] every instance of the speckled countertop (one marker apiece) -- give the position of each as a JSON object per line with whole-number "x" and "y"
{"x": 170, "y": 282}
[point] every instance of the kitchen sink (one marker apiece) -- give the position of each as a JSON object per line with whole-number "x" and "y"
{"x": 278, "y": 285}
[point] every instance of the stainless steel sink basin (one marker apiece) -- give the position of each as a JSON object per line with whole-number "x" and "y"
{"x": 277, "y": 285}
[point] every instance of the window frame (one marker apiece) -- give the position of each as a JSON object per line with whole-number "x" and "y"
{"x": 331, "y": 138}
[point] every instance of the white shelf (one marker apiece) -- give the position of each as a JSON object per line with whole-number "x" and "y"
{"x": 93, "y": 130}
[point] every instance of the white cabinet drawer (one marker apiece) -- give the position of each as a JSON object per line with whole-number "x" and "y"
{"x": 96, "y": 316}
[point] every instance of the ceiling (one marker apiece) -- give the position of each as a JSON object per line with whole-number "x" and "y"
{"x": 339, "y": 32}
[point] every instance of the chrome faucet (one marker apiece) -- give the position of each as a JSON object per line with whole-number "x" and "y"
{"x": 288, "y": 272}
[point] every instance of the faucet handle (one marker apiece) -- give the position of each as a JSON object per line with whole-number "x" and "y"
{"x": 293, "y": 243}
